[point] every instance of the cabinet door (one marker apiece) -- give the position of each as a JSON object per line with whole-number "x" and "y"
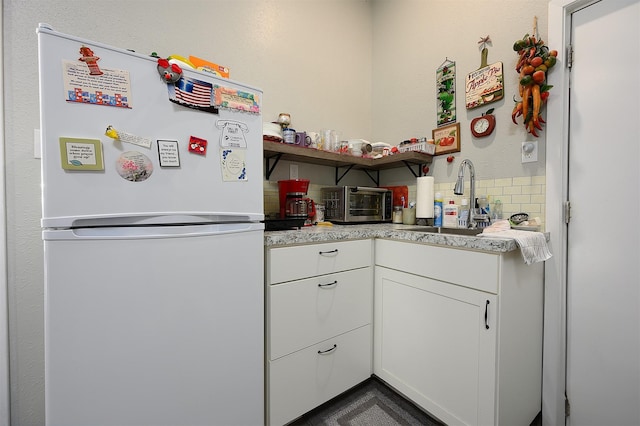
{"x": 436, "y": 343}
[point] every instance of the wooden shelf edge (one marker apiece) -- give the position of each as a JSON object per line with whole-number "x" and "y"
{"x": 324, "y": 158}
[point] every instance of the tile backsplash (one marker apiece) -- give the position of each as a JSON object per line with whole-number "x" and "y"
{"x": 517, "y": 195}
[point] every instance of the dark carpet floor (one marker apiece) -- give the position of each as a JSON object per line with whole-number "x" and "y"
{"x": 370, "y": 403}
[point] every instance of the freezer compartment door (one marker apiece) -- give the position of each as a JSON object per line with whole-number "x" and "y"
{"x": 152, "y": 329}
{"x": 162, "y": 165}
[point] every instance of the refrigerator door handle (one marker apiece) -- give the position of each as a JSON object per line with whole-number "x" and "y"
{"x": 149, "y": 218}
{"x": 149, "y": 232}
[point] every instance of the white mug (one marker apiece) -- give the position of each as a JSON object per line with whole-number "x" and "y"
{"x": 289, "y": 136}
{"x": 312, "y": 139}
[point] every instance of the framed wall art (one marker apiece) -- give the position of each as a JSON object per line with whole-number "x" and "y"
{"x": 447, "y": 139}
{"x": 446, "y": 93}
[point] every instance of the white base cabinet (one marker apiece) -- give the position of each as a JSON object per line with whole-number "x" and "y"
{"x": 459, "y": 332}
{"x": 319, "y": 314}
{"x": 305, "y": 379}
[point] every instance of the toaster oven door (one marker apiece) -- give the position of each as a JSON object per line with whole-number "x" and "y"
{"x": 366, "y": 205}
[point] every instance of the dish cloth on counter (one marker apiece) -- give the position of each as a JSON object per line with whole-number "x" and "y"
{"x": 533, "y": 245}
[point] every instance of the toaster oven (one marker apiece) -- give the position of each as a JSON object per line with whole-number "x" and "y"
{"x": 357, "y": 204}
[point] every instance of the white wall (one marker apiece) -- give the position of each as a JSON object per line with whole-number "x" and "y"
{"x": 326, "y": 62}
{"x": 412, "y": 38}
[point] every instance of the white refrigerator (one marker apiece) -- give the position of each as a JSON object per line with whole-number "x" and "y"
{"x": 153, "y": 241}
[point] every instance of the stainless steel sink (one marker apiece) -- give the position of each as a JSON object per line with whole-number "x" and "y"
{"x": 450, "y": 231}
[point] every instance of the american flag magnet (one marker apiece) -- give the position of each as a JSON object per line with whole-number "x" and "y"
{"x": 197, "y": 145}
{"x": 192, "y": 93}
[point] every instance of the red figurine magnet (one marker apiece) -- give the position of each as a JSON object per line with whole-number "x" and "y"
{"x": 91, "y": 60}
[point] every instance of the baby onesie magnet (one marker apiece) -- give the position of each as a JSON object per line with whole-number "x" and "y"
{"x": 91, "y": 60}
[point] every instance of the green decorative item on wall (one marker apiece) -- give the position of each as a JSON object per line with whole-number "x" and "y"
{"x": 446, "y": 97}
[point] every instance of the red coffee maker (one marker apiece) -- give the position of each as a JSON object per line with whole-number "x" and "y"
{"x": 293, "y": 201}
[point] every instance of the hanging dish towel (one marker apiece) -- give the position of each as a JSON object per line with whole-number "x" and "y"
{"x": 533, "y": 245}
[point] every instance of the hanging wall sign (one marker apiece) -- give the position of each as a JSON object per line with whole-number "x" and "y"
{"x": 485, "y": 84}
{"x": 446, "y": 88}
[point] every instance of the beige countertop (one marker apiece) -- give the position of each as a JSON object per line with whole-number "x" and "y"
{"x": 320, "y": 234}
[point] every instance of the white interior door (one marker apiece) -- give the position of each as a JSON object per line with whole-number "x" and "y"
{"x": 603, "y": 260}
{"x": 4, "y": 319}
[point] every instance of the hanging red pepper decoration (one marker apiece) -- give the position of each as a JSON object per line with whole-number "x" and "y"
{"x": 534, "y": 62}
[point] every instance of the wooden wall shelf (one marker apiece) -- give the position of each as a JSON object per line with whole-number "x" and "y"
{"x": 276, "y": 151}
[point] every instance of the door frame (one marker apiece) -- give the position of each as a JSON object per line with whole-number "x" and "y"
{"x": 4, "y": 307}
{"x": 557, "y": 181}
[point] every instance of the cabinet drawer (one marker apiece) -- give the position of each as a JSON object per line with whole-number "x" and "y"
{"x": 480, "y": 271}
{"x": 305, "y": 379}
{"x": 308, "y": 311}
{"x": 296, "y": 262}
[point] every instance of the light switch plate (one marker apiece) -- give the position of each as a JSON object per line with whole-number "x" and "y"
{"x": 37, "y": 147}
{"x": 529, "y": 151}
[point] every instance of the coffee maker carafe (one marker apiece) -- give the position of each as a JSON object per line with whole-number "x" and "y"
{"x": 299, "y": 207}
{"x": 293, "y": 201}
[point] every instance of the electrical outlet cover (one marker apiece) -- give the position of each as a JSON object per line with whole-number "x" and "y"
{"x": 529, "y": 151}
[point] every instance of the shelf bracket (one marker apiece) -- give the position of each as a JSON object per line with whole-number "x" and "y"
{"x": 406, "y": 163}
{"x": 375, "y": 179}
{"x": 270, "y": 168}
{"x": 339, "y": 178}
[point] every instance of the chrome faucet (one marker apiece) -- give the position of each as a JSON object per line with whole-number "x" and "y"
{"x": 459, "y": 190}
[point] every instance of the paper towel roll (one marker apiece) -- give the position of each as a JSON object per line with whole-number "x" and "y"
{"x": 424, "y": 197}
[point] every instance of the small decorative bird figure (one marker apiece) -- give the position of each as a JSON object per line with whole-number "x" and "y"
{"x": 111, "y": 132}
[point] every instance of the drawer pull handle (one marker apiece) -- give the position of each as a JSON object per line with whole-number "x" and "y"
{"x": 486, "y": 315}
{"x": 328, "y": 284}
{"x": 328, "y": 351}
{"x": 334, "y": 251}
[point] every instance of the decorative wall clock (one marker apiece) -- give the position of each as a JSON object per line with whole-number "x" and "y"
{"x": 483, "y": 126}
